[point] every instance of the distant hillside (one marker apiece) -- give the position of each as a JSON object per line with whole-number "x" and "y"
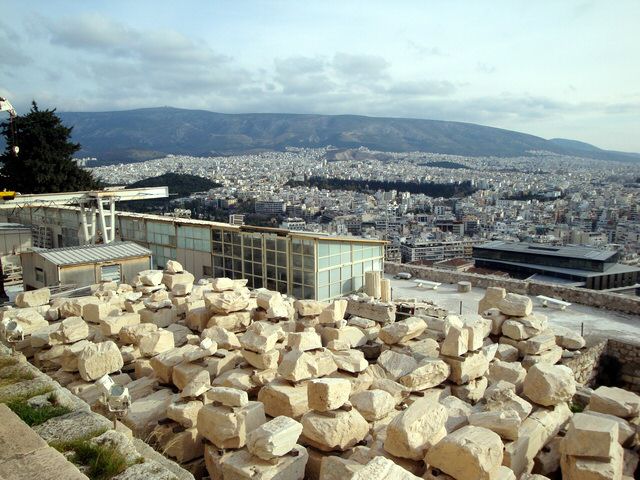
{"x": 575, "y": 145}
{"x": 180, "y": 184}
{"x": 587, "y": 148}
{"x": 135, "y": 135}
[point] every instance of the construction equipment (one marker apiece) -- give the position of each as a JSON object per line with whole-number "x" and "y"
{"x": 91, "y": 203}
{"x": 5, "y": 195}
{"x": 5, "y": 106}
{"x": 97, "y": 207}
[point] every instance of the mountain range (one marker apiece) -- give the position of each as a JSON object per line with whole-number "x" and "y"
{"x": 137, "y": 135}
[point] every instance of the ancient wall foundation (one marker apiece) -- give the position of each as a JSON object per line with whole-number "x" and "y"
{"x": 586, "y": 366}
{"x": 611, "y": 362}
{"x": 628, "y": 355}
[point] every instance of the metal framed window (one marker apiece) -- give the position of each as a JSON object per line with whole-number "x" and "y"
{"x": 110, "y": 273}
{"x": 40, "y": 277}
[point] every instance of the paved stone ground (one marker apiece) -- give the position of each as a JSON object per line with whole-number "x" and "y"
{"x": 24, "y": 451}
{"x": 598, "y": 323}
{"x": 24, "y": 455}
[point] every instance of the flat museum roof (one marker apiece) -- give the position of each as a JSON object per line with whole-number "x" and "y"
{"x": 566, "y": 251}
{"x": 615, "y": 268}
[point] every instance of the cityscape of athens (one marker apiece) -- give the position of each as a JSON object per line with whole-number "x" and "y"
{"x": 280, "y": 240}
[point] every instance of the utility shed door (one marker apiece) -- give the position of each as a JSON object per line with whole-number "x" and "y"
{"x": 110, "y": 273}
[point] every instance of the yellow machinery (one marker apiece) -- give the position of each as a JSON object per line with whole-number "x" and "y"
{"x": 4, "y": 195}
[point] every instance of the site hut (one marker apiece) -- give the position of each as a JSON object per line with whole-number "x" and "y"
{"x": 304, "y": 265}
{"x": 84, "y": 265}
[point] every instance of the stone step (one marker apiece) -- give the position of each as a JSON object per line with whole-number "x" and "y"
{"x": 24, "y": 455}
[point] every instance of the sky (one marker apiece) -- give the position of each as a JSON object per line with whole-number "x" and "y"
{"x": 567, "y": 68}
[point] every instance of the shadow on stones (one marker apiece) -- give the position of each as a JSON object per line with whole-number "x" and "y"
{"x": 609, "y": 372}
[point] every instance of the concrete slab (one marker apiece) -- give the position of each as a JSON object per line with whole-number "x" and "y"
{"x": 598, "y": 323}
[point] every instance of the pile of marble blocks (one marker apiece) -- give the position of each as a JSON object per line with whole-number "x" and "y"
{"x": 594, "y": 445}
{"x": 234, "y": 383}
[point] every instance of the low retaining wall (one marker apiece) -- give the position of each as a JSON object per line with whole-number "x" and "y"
{"x": 593, "y": 298}
{"x": 628, "y": 355}
{"x": 587, "y": 365}
{"x": 610, "y": 362}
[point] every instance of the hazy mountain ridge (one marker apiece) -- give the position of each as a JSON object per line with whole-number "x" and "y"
{"x": 135, "y": 135}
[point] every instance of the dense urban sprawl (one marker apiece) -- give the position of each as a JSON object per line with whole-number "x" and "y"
{"x": 544, "y": 197}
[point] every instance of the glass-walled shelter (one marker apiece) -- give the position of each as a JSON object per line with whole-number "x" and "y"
{"x": 304, "y": 265}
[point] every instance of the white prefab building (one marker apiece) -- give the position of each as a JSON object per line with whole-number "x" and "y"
{"x": 85, "y": 265}
{"x": 431, "y": 250}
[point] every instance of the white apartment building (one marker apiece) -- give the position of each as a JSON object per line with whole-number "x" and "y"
{"x": 294, "y": 224}
{"x": 426, "y": 250}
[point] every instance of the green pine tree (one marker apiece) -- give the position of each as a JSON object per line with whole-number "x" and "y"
{"x": 44, "y": 164}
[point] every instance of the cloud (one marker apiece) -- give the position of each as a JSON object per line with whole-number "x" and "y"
{"x": 340, "y": 73}
{"x": 423, "y": 88}
{"x": 627, "y": 108}
{"x": 508, "y": 108}
{"x": 112, "y": 65}
{"x": 424, "y": 50}
{"x": 299, "y": 65}
{"x": 123, "y": 66}
{"x": 360, "y": 66}
{"x": 581, "y": 9}
{"x": 103, "y": 35}
{"x": 299, "y": 75}
{"x": 485, "y": 68}
{"x": 91, "y": 32}
{"x": 11, "y": 55}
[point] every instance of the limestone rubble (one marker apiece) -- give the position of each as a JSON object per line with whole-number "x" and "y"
{"x": 239, "y": 384}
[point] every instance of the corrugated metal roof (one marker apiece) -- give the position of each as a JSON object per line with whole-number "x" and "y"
{"x": 13, "y": 227}
{"x": 93, "y": 253}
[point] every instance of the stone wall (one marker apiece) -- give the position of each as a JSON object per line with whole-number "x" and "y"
{"x": 24, "y": 381}
{"x": 593, "y": 298}
{"x": 628, "y": 354}
{"x": 609, "y": 361}
{"x": 587, "y": 365}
